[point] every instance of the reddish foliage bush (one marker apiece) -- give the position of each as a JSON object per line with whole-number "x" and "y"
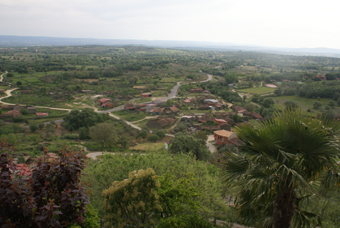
{"x": 51, "y": 197}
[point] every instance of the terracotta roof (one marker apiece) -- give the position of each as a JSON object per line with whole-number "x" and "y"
{"x": 41, "y": 114}
{"x": 174, "y": 109}
{"x": 187, "y": 101}
{"x": 104, "y": 100}
{"x": 220, "y": 120}
{"x": 223, "y": 133}
{"x": 257, "y": 116}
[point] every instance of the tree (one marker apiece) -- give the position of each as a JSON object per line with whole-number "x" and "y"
{"x": 33, "y": 127}
{"x": 153, "y": 138}
{"x": 200, "y": 135}
{"x": 184, "y": 143}
{"x": 290, "y": 105}
{"x": 178, "y": 174}
{"x": 332, "y": 104}
{"x": 160, "y": 134}
{"x": 282, "y": 160}
{"x": 133, "y": 201}
{"x": 250, "y": 107}
{"x": 103, "y": 134}
{"x": 19, "y": 83}
{"x": 268, "y": 102}
{"x": 41, "y": 126}
{"x": 83, "y": 133}
{"x": 24, "y": 111}
{"x": 317, "y": 105}
{"x": 85, "y": 118}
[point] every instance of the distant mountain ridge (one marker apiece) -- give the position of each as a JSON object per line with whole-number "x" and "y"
{"x": 21, "y": 41}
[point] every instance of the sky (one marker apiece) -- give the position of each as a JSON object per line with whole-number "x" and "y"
{"x": 270, "y": 23}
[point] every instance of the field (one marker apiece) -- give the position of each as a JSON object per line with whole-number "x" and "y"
{"x": 257, "y": 90}
{"x": 304, "y": 103}
{"x": 149, "y": 146}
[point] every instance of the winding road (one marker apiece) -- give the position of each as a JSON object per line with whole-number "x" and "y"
{"x": 1, "y": 76}
{"x": 172, "y": 95}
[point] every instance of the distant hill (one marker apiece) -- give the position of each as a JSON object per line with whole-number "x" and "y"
{"x": 20, "y": 41}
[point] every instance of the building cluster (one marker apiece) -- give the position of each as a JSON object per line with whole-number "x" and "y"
{"x": 105, "y": 102}
{"x": 13, "y": 111}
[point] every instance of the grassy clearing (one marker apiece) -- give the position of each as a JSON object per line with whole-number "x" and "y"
{"x": 304, "y": 103}
{"x": 257, "y": 90}
{"x": 149, "y": 146}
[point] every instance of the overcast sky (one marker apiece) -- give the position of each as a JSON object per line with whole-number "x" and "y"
{"x": 288, "y": 23}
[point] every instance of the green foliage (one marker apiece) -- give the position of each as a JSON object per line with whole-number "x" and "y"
{"x": 184, "y": 143}
{"x": 24, "y": 111}
{"x": 250, "y": 107}
{"x": 84, "y": 133}
{"x": 205, "y": 177}
{"x": 237, "y": 118}
{"x": 71, "y": 136}
{"x": 133, "y": 201}
{"x": 281, "y": 160}
{"x": 41, "y": 126}
{"x": 143, "y": 133}
{"x": 160, "y": 134}
{"x": 153, "y": 138}
{"x": 317, "y": 105}
{"x": 33, "y": 127}
{"x": 200, "y": 135}
{"x": 85, "y": 118}
{"x": 184, "y": 221}
{"x": 290, "y": 105}
{"x": 178, "y": 196}
{"x": 332, "y": 104}
{"x": 103, "y": 134}
{"x": 268, "y": 102}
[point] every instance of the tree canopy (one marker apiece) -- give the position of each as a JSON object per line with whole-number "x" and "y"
{"x": 282, "y": 161}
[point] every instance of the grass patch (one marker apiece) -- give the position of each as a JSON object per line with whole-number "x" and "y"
{"x": 91, "y": 146}
{"x": 257, "y": 90}
{"x": 302, "y": 102}
{"x": 149, "y": 146}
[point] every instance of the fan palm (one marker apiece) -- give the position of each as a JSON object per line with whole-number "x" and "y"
{"x": 284, "y": 160}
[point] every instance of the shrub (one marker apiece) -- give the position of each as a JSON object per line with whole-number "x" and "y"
{"x": 160, "y": 134}
{"x": 71, "y": 136}
{"x": 33, "y": 127}
{"x": 153, "y": 138}
{"x": 143, "y": 133}
{"x": 41, "y": 126}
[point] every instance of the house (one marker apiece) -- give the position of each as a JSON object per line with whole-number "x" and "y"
{"x": 256, "y": 116}
{"x": 1, "y": 91}
{"x": 108, "y": 105}
{"x": 157, "y": 111}
{"x": 129, "y": 107}
{"x": 146, "y": 95}
{"x": 10, "y": 114}
{"x": 238, "y": 109}
{"x": 104, "y": 100}
{"x": 321, "y": 77}
{"x": 199, "y": 90}
{"x": 204, "y": 107}
{"x": 41, "y": 114}
{"x": 231, "y": 84}
{"x": 210, "y": 101}
{"x": 220, "y": 121}
{"x": 223, "y": 137}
